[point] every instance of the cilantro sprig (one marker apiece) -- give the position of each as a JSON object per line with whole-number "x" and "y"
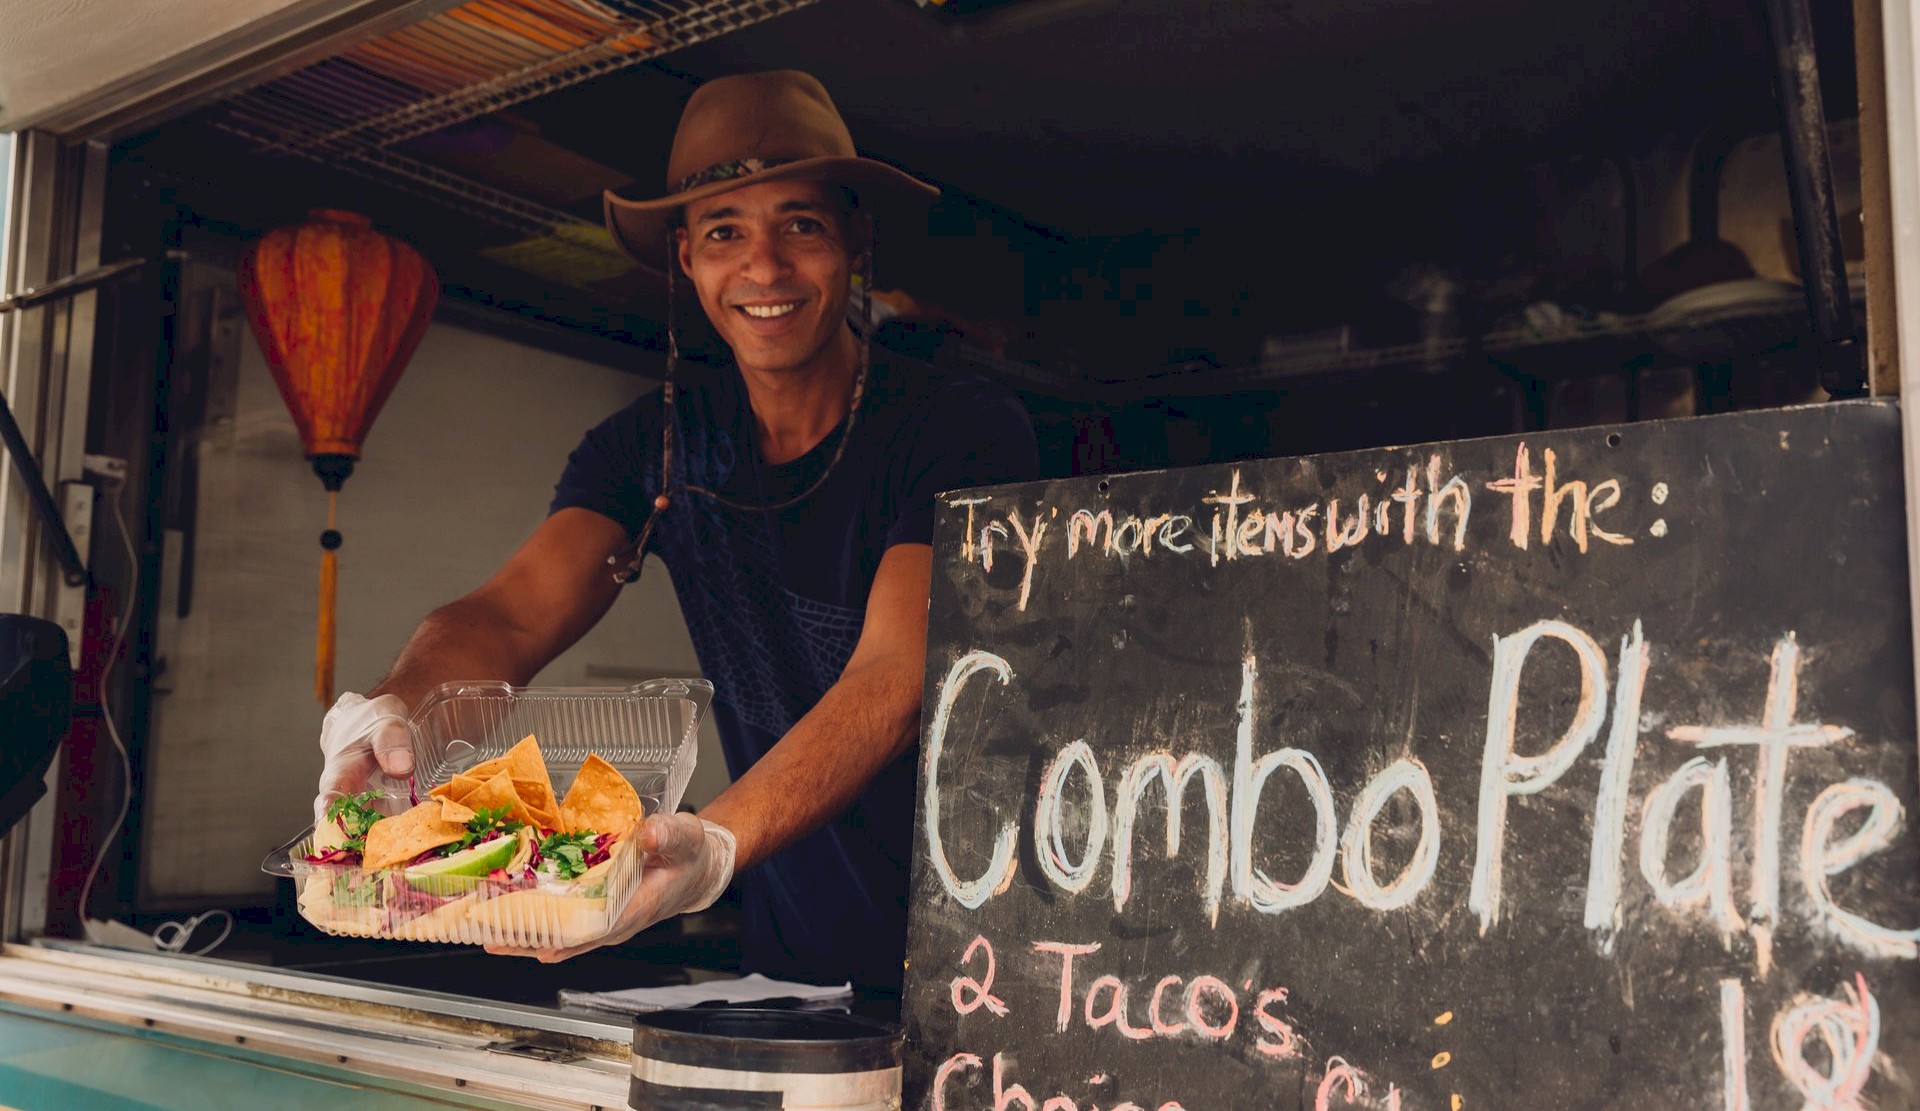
{"x": 355, "y": 815}
{"x": 569, "y": 852}
{"x": 485, "y": 822}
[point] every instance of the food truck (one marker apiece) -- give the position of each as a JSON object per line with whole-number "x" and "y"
{"x": 1458, "y": 652}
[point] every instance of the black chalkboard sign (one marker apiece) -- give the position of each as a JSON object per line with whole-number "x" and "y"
{"x": 1572, "y": 770}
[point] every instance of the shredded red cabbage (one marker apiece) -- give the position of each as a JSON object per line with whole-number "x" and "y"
{"x": 335, "y": 855}
{"x": 602, "y": 848}
{"x": 405, "y": 902}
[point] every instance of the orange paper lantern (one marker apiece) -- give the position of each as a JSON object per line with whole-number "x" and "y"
{"x": 338, "y": 309}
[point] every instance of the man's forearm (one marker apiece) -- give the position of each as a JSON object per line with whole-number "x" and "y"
{"x": 545, "y": 598}
{"x": 823, "y": 763}
{"x": 467, "y": 639}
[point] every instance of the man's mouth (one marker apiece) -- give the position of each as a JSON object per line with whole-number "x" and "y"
{"x": 769, "y": 312}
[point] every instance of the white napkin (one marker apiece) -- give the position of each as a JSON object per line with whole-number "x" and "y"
{"x": 746, "y": 989}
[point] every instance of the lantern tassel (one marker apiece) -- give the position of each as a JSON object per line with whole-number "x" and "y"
{"x": 328, "y": 625}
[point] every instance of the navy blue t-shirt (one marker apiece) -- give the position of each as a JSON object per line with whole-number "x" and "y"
{"x": 774, "y": 602}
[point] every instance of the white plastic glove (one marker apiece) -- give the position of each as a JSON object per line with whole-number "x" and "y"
{"x": 366, "y": 746}
{"x": 688, "y": 865}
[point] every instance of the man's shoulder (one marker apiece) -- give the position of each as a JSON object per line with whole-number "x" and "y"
{"x": 952, "y": 427}
{"x": 921, "y": 391}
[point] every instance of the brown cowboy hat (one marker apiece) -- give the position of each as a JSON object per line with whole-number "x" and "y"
{"x": 746, "y": 130}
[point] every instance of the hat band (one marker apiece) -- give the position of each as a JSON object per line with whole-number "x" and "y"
{"x": 727, "y": 171}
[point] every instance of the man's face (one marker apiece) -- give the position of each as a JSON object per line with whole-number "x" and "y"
{"x": 771, "y": 263}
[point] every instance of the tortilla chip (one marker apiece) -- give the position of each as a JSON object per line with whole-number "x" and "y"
{"x": 601, "y": 800}
{"x": 460, "y": 786}
{"x": 538, "y": 819}
{"x": 522, "y": 762}
{"x": 396, "y": 840}
{"x": 537, "y": 798}
{"x": 503, "y": 790}
{"x": 455, "y": 812}
{"x": 485, "y": 768}
{"x": 525, "y": 762}
{"x": 492, "y": 793}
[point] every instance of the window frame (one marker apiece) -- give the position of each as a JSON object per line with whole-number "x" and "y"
{"x": 54, "y": 211}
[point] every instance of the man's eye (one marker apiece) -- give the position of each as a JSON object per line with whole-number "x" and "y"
{"x": 806, "y": 225}
{"x": 720, "y": 234}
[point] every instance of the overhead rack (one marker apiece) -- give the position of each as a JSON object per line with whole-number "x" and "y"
{"x": 473, "y": 60}
{"x": 350, "y": 110}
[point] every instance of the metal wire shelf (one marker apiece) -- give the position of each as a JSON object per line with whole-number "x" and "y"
{"x": 348, "y": 111}
{"x": 569, "y": 249}
{"x": 476, "y": 59}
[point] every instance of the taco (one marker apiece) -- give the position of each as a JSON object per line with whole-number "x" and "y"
{"x": 488, "y": 856}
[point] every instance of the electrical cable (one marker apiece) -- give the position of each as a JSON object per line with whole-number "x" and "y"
{"x": 177, "y": 934}
{"x": 106, "y": 714}
{"x": 172, "y": 937}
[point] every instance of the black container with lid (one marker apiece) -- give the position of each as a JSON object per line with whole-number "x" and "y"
{"x": 741, "y": 1058}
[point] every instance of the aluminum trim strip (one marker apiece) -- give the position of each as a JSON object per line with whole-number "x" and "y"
{"x": 228, "y": 976}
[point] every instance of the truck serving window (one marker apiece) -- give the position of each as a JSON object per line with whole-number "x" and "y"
{"x": 1184, "y": 233}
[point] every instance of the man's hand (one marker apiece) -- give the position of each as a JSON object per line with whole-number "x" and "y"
{"x": 365, "y": 745}
{"x": 689, "y": 863}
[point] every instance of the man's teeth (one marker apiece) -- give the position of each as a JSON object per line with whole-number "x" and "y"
{"x": 768, "y": 312}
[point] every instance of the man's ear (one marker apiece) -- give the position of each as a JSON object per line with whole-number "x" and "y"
{"x": 683, "y": 250}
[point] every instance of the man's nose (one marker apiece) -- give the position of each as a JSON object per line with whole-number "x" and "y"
{"x": 766, "y": 260}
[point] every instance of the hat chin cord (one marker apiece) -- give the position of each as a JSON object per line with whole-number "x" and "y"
{"x": 627, "y": 561}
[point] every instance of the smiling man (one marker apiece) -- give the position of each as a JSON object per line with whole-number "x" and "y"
{"x": 790, "y": 496}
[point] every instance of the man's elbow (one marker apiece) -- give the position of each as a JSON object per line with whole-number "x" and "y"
{"x": 481, "y": 618}
{"x": 890, "y": 686}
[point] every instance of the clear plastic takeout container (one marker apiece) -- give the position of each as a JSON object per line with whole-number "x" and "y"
{"x": 648, "y": 732}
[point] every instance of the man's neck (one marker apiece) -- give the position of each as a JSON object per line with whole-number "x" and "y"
{"x": 795, "y": 409}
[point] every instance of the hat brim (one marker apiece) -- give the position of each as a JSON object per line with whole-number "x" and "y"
{"x": 640, "y": 226}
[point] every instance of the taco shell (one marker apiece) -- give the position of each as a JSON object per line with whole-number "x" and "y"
{"x": 556, "y": 920}
{"x": 327, "y": 834}
{"x": 442, "y": 923}
{"x": 398, "y": 839}
{"x": 317, "y": 906}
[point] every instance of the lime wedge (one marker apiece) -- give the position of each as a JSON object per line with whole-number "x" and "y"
{"x": 442, "y": 876}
